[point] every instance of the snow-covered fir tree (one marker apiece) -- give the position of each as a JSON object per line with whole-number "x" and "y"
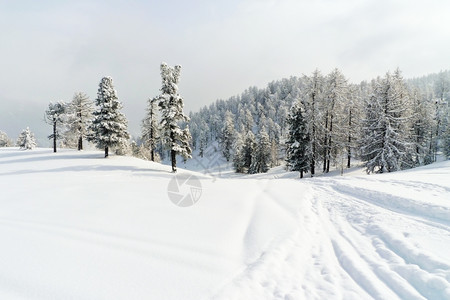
{"x": 5, "y": 141}
{"x": 351, "y": 121}
{"x": 238, "y": 160}
{"x": 274, "y": 130}
{"x": 79, "y": 119}
{"x": 247, "y": 151}
{"x": 248, "y": 121}
{"x": 26, "y": 140}
{"x": 171, "y": 104}
{"x": 312, "y": 97}
{"x": 440, "y": 124}
{"x": 385, "y": 145}
{"x": 261, "y": 156}
{"x": 227, "y": 136}
{"x": 446, "y": 135}
{"x": 55, "y": 115}
{"x": 297, "y": 154}
{"x": 109, "y": 126}
{"x": 334, "y": 100}
{"x": 202, "y": 144}
{"x": 422, "y": 128}
{"x": 447, "y": 143}
{"x": 150, "y": 130}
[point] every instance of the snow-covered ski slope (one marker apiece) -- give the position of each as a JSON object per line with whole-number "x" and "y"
{"x": 74, "y": 225}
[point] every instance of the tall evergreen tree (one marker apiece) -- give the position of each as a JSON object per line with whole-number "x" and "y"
{"x": 80, "y": 117}
{"x": 247, "y": 150}
{"x": 312, "y": 96}
{"x": 26, "y": 140}
{"x": 336, "y": 95}
{"x": 55, "y": 115}
{"x": 248, "y": 120}
{"x": 447, "y": 143}
{"x": 109, "y": 127}
{"x": 5, "y": 141}
{"x": 172, "y": 115}
{"x": 227, "y": 136}
{"x": 351, "y": 122}
{"x": 385, "y": 144}
{"x": 297, "y": 141}
{"x": 238, "y": 160}
{"x": 422, "y": 128}
{"x": 150, "y": 130}
{"x": 261, "y": 155}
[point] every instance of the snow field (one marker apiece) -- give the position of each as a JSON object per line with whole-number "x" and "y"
{"x": 76, "y": 226}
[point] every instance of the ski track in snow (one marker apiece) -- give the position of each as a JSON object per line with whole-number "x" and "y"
{"x": 347, "y": 226}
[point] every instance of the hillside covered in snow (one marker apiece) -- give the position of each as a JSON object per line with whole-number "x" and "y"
{"x": 74, "y": 225}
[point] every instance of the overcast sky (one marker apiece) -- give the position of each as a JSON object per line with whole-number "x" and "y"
{"x": 51, "y": 49}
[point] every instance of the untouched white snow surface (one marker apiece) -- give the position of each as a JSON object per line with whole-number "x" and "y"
{"x": 74, "y": 225}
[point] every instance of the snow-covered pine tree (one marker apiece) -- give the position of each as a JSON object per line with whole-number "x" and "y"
{"x": 274, "y": 131}
{"x": 171, "y": 105}
{"x": 385, "y": 142}
{"x": 336, "y": 95}
{"x": 447, "y": 143}
{"x": 227, "y": 136}
{"x": 297, "y": 141}
{"x": 351, "y": 121}
{"x": 195, "y": 129}
{"x": 281, "y": 115}
{"x": 312, "y": 96}
{"x": 80, "y": 117}
{"x": 202, "y": 144}
{"x": 446, "y": 135}
{"x": 203, "y": 136}
{"x": 248, "y": 120}
{"x": 247, "y": 150}
{"x": 109, "y": 127}
{"x": 238, "y": 160}
{"x": 55, "y": 115}
{"x": 422, "y": 128}
{"x": 261, "y": 156}
{"x": 442, "y": 85}
{"x": 5, "y": 141}
{"x": 26, "y": 140}
{"x": 150, "y": 130}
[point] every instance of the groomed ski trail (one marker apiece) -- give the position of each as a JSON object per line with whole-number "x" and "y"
{"x": 350, "y": 243}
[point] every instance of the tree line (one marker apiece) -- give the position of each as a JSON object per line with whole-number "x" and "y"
{"x": 106, "y": 126}
{"x": 318, "y": 121}
{"x": 313, "y": 123}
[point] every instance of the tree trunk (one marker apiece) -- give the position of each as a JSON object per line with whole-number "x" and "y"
{"x": 106, "y": 151}
{"x": 325, "y": 147}
{"x": 301, "y": 173}
{"x": 313, "y": 154}
{"x": 54, "y": 136}
{"x": 173, "y": 156}
{"x": 329, "y": 144}
{"x": 80, "y": 143}
{"x": 313, "y": 140}
{"x": 349, "y": 153}
{"x": 328, "y": 158}
{"x": 152, "y": 139}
